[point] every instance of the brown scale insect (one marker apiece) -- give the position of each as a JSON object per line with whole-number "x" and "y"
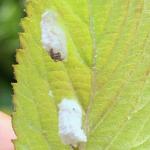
{"x": 55, "y": 56}
{"x": 53, "y": 37}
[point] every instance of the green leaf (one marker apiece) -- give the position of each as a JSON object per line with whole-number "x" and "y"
{"x": 107, "y": 70}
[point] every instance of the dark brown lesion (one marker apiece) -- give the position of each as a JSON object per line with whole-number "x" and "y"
{"x": 55, "y": 56}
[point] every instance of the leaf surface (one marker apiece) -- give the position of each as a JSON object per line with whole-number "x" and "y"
{"x": 107, "y": 70}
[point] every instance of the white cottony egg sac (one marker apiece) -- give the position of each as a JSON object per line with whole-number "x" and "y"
{"x": 53, "y": 36}
{"x": 70, "y": 122}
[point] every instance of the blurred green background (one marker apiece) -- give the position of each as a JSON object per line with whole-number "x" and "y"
{"x": 10, "y": 13}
